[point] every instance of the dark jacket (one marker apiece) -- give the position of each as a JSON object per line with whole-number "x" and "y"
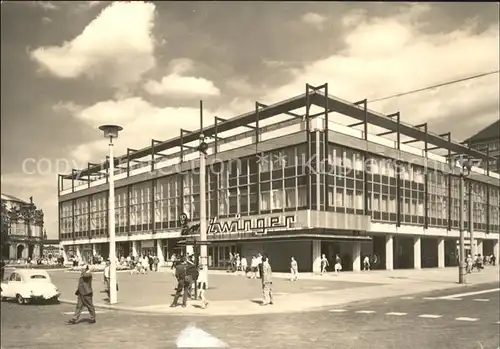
{"x": 85, "y": 284}
{"x": 180, "y": 272}
{"x": 191, "y": 272}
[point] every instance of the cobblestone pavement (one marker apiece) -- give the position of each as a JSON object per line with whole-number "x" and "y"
{"x": 423, "y": 322}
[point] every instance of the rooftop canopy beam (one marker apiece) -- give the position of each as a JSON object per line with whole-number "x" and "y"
{"x": 289, "y": 113}
{"x": 244, "y": 119}
{"x": 362, "y": 102}
{"x": 416, "y": 139}
{"x": 380, "y": 120}
{"x": 445, "y": 136}
{"x": 397, "y": 115}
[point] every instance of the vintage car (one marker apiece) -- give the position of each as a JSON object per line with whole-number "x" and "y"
{"x": 26, "y": 285}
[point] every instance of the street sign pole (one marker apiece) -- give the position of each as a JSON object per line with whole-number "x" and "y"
{"x": 461, "y": 267}
{"x": 196, "y": 257}
{"x": 203, "y": 207}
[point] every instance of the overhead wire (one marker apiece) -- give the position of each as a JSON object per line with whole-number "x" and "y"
{"x": 452, "y": 82}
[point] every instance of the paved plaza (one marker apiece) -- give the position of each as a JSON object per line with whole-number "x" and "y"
{"x": 233, "y": 294}
{"x": 428, "y": 320}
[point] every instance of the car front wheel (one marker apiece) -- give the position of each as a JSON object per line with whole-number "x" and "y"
{"x": 21, "y": 300}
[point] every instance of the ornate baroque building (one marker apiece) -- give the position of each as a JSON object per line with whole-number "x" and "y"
{"x": 22, "y": 228}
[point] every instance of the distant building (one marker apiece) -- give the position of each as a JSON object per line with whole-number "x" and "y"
{"x": 51, "y": 248}
{"x": 22, "y": 224}
{"x": 488, "y": 140}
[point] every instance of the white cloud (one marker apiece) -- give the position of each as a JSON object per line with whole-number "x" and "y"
{"x": 181, "y": 65}
{"x": 386, "y": 56}
{"x": 66, "y": 107}
{"x": 141, "y": 121}
{"x": 118, "y": 46}
{"x": 46, "y": 5}
{"x": 241, "y": 86}
{"x": 177, "y": 86}
{"x": 314, "y": 19}
{"x": 91, "y": 4}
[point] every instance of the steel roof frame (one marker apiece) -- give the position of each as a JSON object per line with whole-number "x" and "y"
{"x": 357, "y": 110}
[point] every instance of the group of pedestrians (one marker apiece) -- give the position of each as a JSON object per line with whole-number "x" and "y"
{"x": 186, "y": 273}
{"x": 478, "y": 261}
{"x": 324, "y": 264}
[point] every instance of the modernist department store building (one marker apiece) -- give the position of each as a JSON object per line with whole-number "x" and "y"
{"x": 285, "y": 184}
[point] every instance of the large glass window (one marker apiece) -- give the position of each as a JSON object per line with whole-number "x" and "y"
{"x": 494, "y": 216}
{"x": 121, "y": 210}
{"x": 345, "y": 180}
{"x": 81, "y": 217}
{"x": 167, "y": 202}
{"x": 479, "y": 205}
{"x": 98, "y": 214}
{"x": 66, "y": 219}
{"x": 140, "y": 207}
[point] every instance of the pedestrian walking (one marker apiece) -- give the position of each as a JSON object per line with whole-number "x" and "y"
{"x": 324, "y": 264}
{"x": 106, "y": 274}
{"x": 202, "y": 286}
{"x": 366, "y": 263}
{"x": 267, "y": 281}
{"x": 294, "y": 269}
{"x": 338, "y": 264}
{"x": 156, "y": 262}
{"x": 84, "y": 295}
{"x": 469, "y": 264}
{"x": 254, "y": 266}
{"x": 244, "y": 265}
{"x": 259, "y": 264}
{"x": 193, "y": 272}
{"x": 150, "y": 262}
{"x": 183, "y": 284}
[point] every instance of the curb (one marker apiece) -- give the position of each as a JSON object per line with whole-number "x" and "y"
{"x": 142, "y": 311}
{"x": 94, "y": 271}
{"x": 312, "y": 308}
{"x": 46, "y": 269}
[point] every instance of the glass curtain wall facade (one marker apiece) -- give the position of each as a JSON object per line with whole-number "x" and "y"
{"x": 121, "y": 214}
{"x": 99, "y": 214}
{"x": 66, "y": 220}
{"x": 277, "y": 181}
{"x": 81, "y": 217}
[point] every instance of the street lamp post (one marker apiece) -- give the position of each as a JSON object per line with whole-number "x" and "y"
{"x": 202, "y": 148}
{"x": 465, "y": 168}
{"x": 110, "y": 132}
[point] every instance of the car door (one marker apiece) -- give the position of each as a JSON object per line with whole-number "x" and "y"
{"x": 12, "y": 286}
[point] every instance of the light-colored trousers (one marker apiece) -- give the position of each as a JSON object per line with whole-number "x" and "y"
{"x": 295, "y": 273}
{"x": 267, "y": 292}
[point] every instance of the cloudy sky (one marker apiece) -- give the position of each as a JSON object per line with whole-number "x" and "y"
{"x": 68, "y": 67}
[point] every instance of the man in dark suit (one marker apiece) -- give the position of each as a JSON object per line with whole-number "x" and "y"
{"x": 84, "y": 293}
{"x": 184, "y": 281}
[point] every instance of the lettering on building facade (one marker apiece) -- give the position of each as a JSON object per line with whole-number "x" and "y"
{"x": 257, "y": 226}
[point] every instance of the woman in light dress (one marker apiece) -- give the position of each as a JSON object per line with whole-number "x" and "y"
{"x": 324, "y": 264}
{"x": 294, "y": 269}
